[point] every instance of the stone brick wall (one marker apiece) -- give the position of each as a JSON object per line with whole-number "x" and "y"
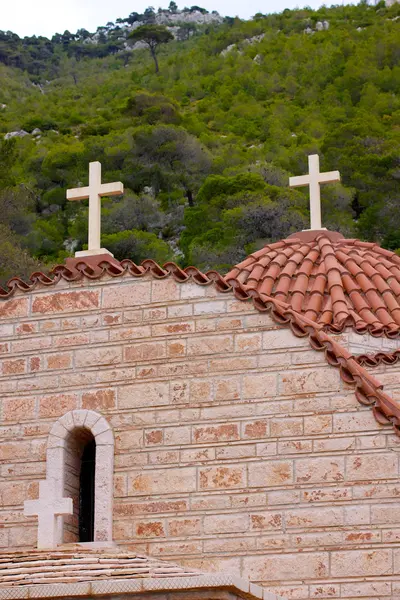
{"x": 237, "y": 447}
{"x": 366, "y": 344}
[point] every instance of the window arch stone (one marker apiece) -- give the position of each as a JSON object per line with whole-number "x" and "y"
{"x": 56, "y": 465}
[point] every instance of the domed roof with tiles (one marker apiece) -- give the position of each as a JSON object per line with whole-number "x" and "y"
{"x": 333, "y": 281}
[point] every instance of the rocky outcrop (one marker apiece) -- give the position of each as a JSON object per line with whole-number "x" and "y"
{"x": 249, "y": 41}
{"x": 319, "y": 26}
{"x": 19, "y": 134}
{"x": 322, "y": 25}
{"x": 198, "y": 18}
{"x": 173, "y": 22}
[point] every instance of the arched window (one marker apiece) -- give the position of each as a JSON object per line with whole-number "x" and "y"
{"x": 86, "y": 495}
{"x": 79, "y": 484}
{"x": 80, "y": 464}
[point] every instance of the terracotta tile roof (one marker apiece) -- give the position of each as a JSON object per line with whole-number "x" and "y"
{"x": 368, "y": 389}
{"x": 330, "y": 280}
{"x": 97, "y": 267}
{"x": 72, "y": 571}
{"x": 380, "y": 358}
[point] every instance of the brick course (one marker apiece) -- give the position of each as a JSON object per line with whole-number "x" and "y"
{"x": 237, "y": 447}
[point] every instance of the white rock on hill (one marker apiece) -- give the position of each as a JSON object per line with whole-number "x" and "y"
{"x": 173, "y": 21}
{"x": 319, "y": 26}
{"x": 254, "y": 40}
{"x": 249, "y": 41}
{"x": 197, "y": 17}
{"x": 228, "y": 49}
{"x": 20, "y": 133}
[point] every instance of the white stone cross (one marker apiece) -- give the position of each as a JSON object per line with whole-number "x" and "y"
{"x": 314, "y": 179}
{"x": 94, "y": 191}
{"x": 47, "y": 508}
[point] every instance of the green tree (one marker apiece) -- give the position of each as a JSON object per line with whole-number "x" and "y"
{"x": 8, "y": 156}
{"x": 173, "y": 157}
{"x": 16, "y": 220}
{"x": 137, "y": 246}
{"x": 134, "y": 212}
{"x": 186, "y": 30}
{"x": 153, "y": 36}
{"x": 15, "y": 261}
{"x": 17, "y": 207}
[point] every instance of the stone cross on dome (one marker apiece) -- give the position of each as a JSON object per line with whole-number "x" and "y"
{"x": 47, "y": 508}
{"x": 313, "y": 180}
{"x": 94, "y": 191}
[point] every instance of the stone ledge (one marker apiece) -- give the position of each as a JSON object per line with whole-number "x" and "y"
{"x": 237, "y": 585}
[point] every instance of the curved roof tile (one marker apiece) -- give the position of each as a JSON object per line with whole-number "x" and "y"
{"x": 333, "y": 281}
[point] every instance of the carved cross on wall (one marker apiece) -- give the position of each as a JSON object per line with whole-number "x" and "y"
{"x": 47, "y": 508}
{"x": 94, "y": 191}
{"x": 314, "y": 179}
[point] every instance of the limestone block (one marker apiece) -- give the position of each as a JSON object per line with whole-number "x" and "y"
{"x": 126, "y": 295}
{"x": 266, "y": 521}
{"x": 179, "y": 480}
{"x": 259, "y": 385}
{"x": 184, "y": 527}
{"x": 315, "y": 517}
{"x": 18, "y": 409}
{"x": 213, "y": 478}
{"x": 192, "y": 290}
{"x": 309, "y": 470}
{"x": 362, "y": 563}
{"x": 143, "y": 394}
{"x": 14, "y": 308}
{"x": 307, "y": 381}
{"x": 165, "y": 290}
{"x": 215, "y": 307}
{"x": 282, "y": 567}
{"x": 57, "y": 405}
{"x": 216, "y": 433}
{"x": 275, "y": 339}
{"x": 149, "y": 529}
{"x": 270, "y": 473}
{"x": 226, "y": 523}
{"x": 109, "y": 355}
{"x": 59, "y": 302}
{"x": 371, "y": 466}
{"x": 210, "y": 345}
{"x": 146, "y": 351}
{"x": 361, "y": 420}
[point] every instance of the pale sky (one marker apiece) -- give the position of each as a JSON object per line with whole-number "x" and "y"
{"x": 46, "y": 17}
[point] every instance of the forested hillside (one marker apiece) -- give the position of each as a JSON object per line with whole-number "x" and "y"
{"x": 206, "y": 146}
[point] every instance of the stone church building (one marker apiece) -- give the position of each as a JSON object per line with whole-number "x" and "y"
{"x": 211, "y": 431}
